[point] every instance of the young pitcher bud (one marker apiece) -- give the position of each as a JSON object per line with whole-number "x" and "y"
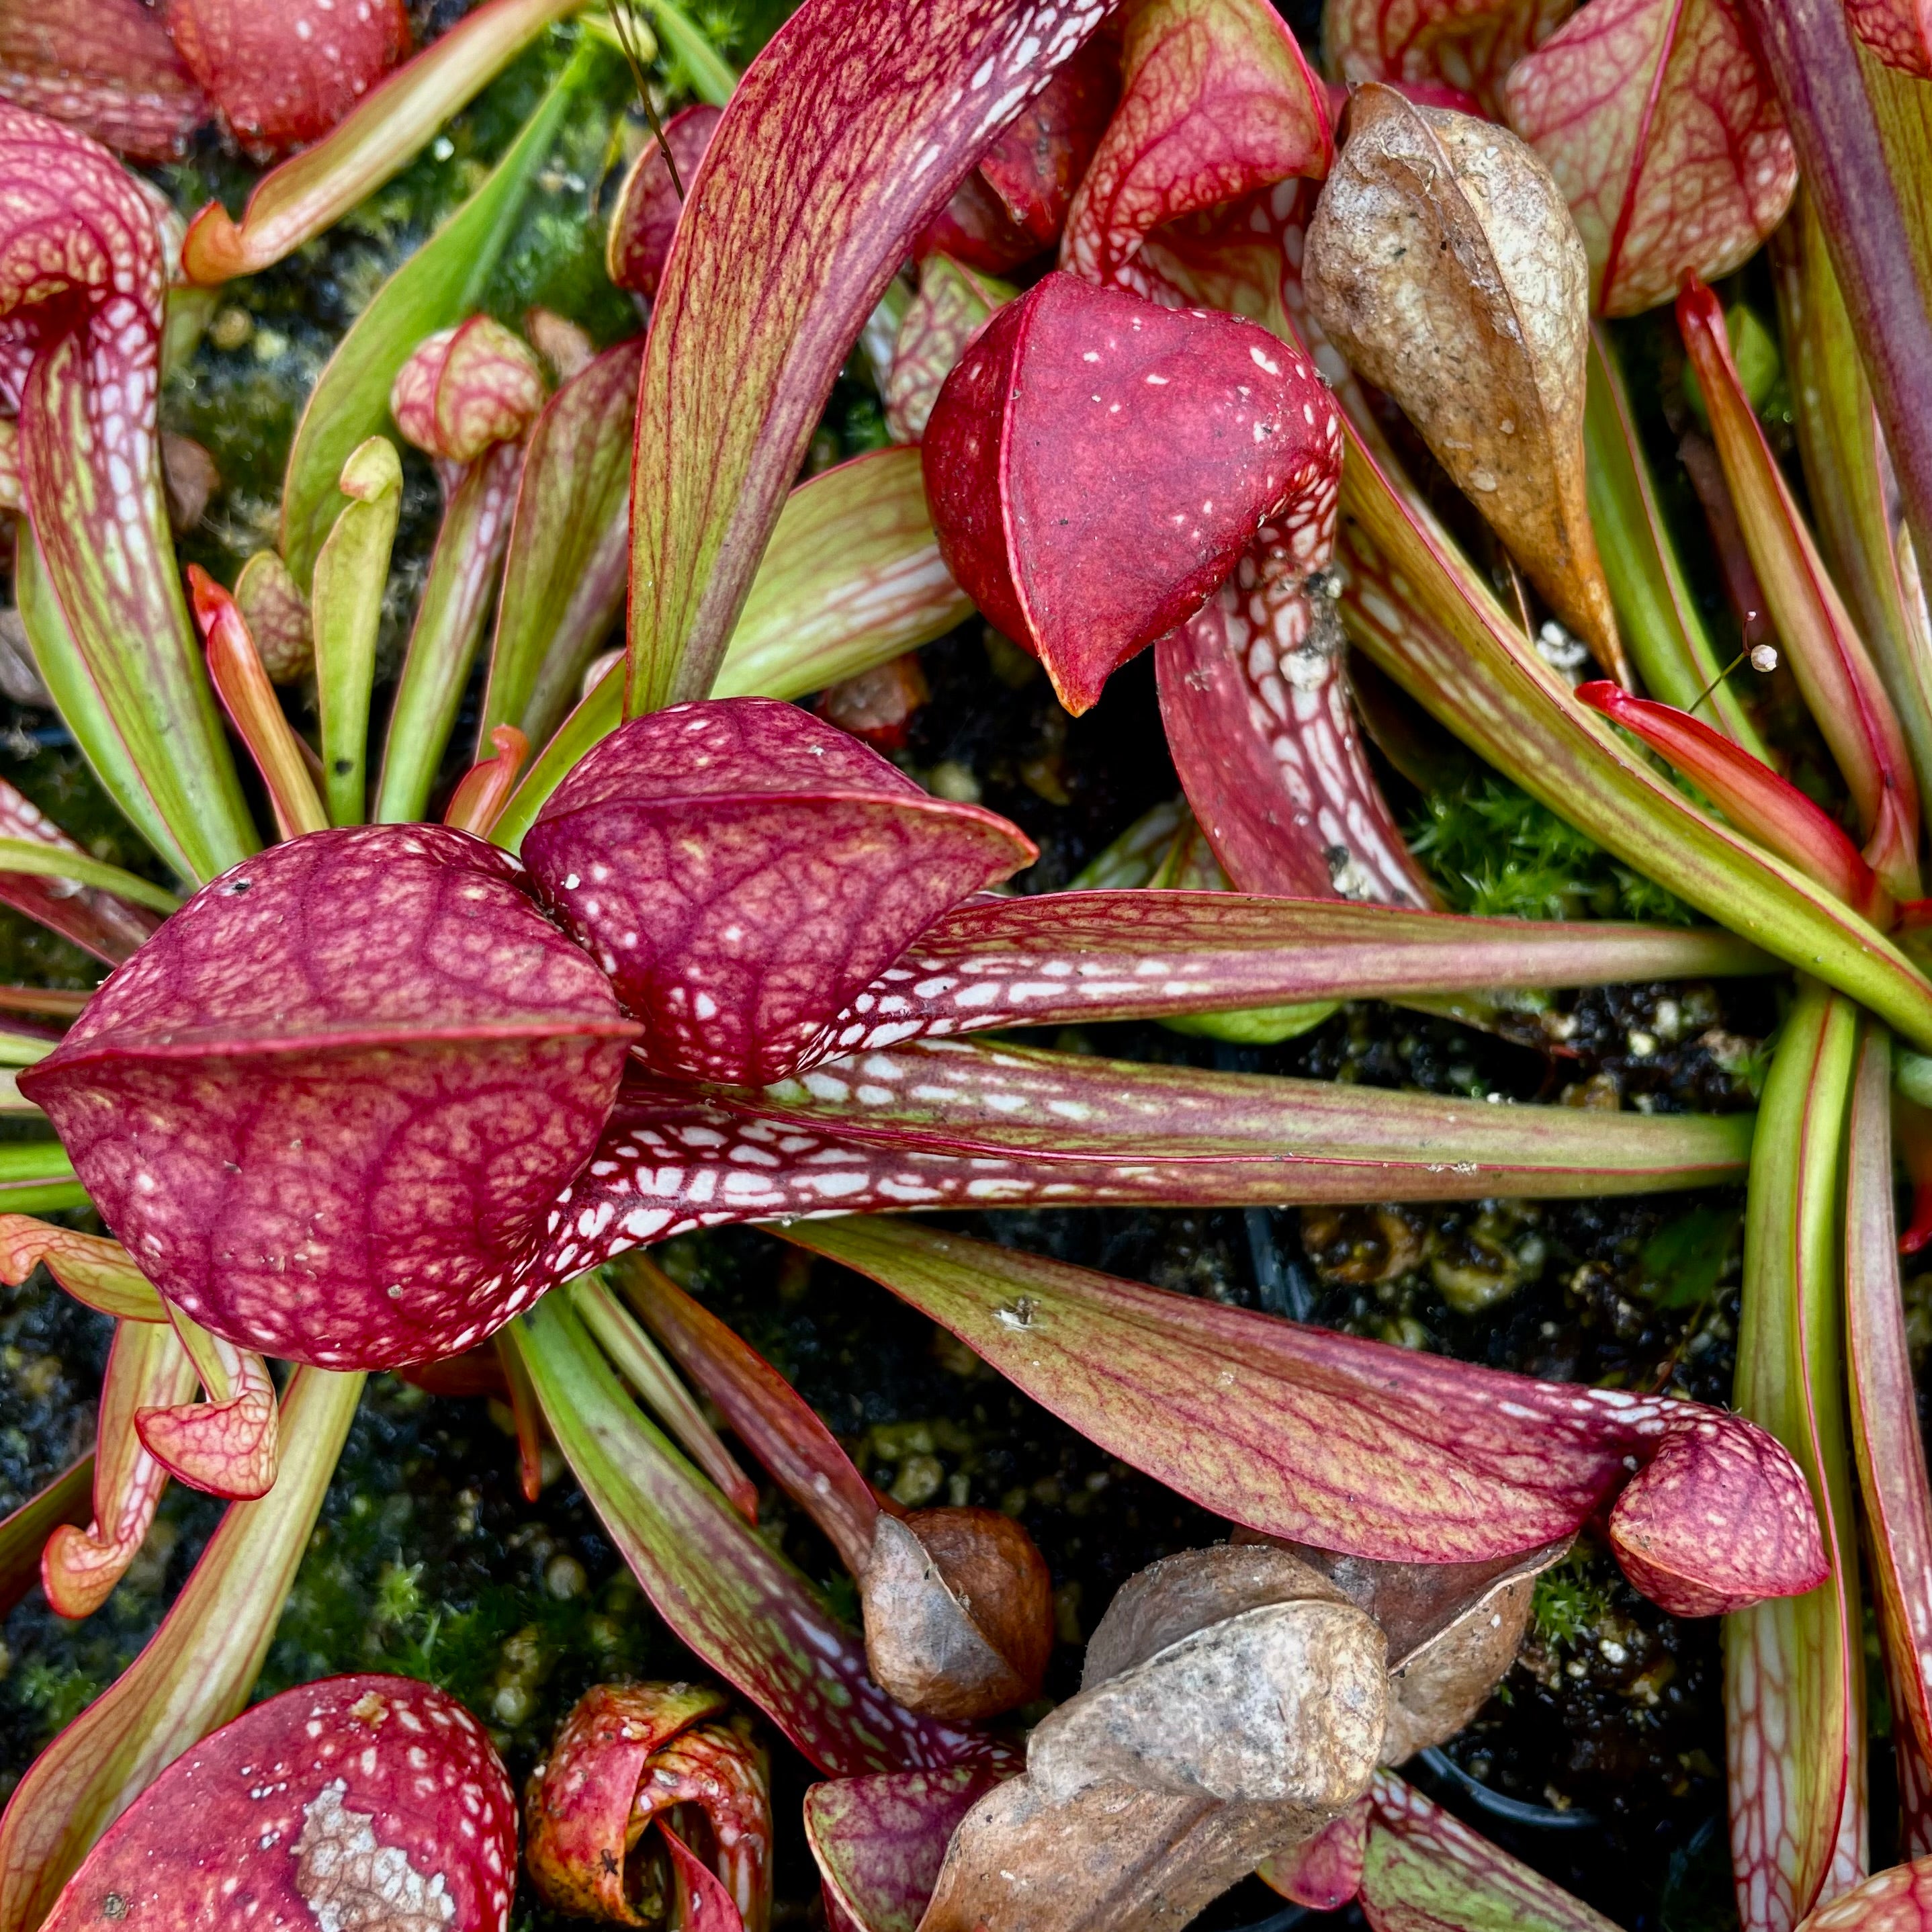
{"x": 645, "y": 218}
{"x": 465, "y": 388}
{"x": 653, "y": 1807}
{"x": 277, "y": 613}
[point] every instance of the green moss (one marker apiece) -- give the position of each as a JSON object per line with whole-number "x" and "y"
{"x": 54, "y": 1694}
{"x": 1570, "y": 1602}
{"x": 1493, "y": 849}
{"x": 509, "y": 1609}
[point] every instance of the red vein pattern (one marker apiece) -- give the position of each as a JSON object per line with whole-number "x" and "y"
{"x": 1663, "y": 131}
{"x": 228, "y": 1444}
{"x": 107, "y": 68}
{"x": 1468, "y": 45}
{"x": 1216, "y": 101}
{"x": 951, "y": 1125}
{"x": 81, "y": 276}
{"x": 1356, "y": 1446}
{"x": 1892, "y": 1479}
{"x": 1423, "y": 1867}
{"x": 1057, "y": 957}
{"x": 740, "y": 870}
{"x": 1794, "y": 1670}
{"x": 845, "y": 137}
{"x": 879, "y": 1841}
{"x": 1899, "y": 31}
{"x": 1899, "y": 1899}
{"x": 145, "y": 1366}
{"x": 1254, "y": 694}
{"x": 380, "y": 1108}
{"x": 744, "y": 1610}
{"x": 1253, "y": 689}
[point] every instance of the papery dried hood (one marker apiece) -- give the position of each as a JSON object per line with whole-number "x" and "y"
{"x": 1443, "y": 263}
{"x": 328, "y": 1107}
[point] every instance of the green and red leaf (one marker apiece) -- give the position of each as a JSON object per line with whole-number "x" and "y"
{"x": 294, "y": 202}
{"x": 1437, "y": 48}
{"x": 1897, "y": 1900}
{"x": 879, "y": 1841}
{"x": 1892, "y": 1483}
{"x": 781, "y": 257}
{"x": 1323, "y": 1438}
{"x": 1753, "y": 796}
{"x": 80, "y": 355}
{"x": 568, "y": 546}
{"x": 24, "y": 1532}
{"x": 1899, "y": 31}
{"x": 194, "y": 1674}
{"x": 852, "y": 578}
{"x": 644, "y": 217}
{"x": 1217, "y": 100}
{"x": 631, "y": 1762}
{"x": 440, "y": 286}
{"x": 1794, "y": 1670}
{"x": 1857, "y": 127}
{"x": 763, "y": 1410}
{"x": 1834, "y": 670}
{"x": 1423, "y": 1867}
{"x": 146, "y": 1366}
{"x": 952, "y": 301}
{"x": 1662, "y": 628}
{"x": 94, "y": 919}
{"x": 1663, "y": 132}
{"x": 743, "y": 1609}
{"x": 1854, "y": 492}
{"x": 1057, "y": 958}
{"x": 1417, "y": 607}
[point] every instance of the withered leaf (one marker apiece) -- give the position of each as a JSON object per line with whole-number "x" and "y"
{"x": 1454, "y": 1630}
{"x": 958, "y": 1611}
{"x": 1114, "y": 1859}
{"x": 1232, "y": 1705}
{"x": 1443, "y": 261}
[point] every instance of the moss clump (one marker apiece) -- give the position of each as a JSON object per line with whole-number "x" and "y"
{"x": 1492, "y": 849}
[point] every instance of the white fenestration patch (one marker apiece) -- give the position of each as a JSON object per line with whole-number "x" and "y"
{"x": 353, "y": 1884}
